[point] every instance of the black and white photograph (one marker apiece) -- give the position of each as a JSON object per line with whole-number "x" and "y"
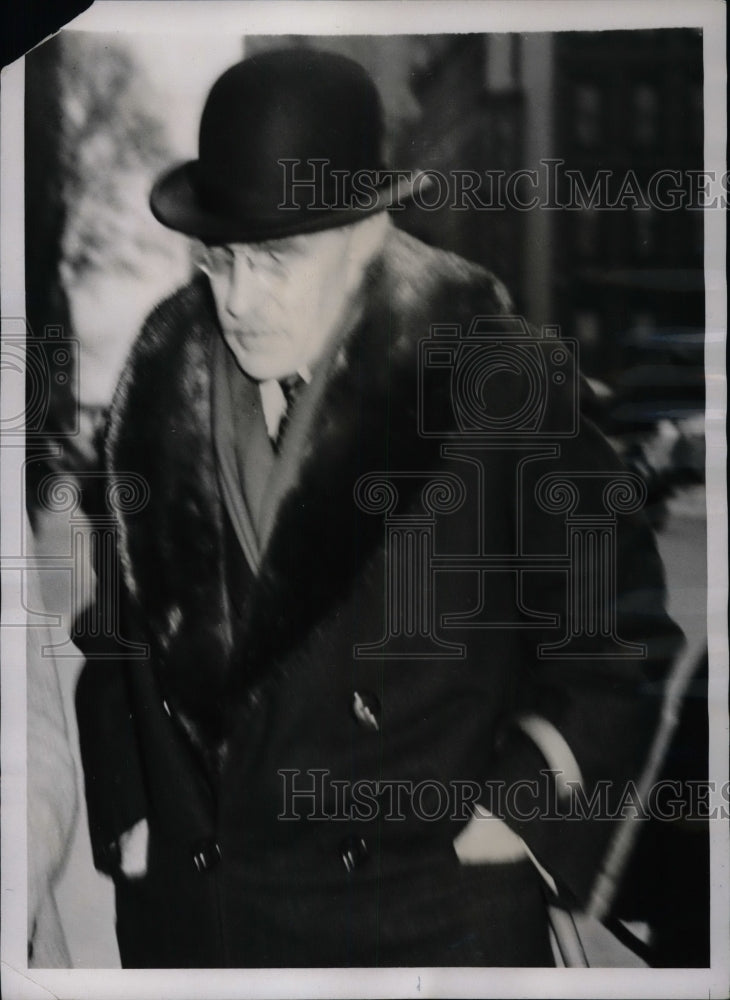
{"x": 364, "y": 547}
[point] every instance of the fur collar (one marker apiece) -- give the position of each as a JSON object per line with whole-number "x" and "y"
{"x": 174, "y": 551}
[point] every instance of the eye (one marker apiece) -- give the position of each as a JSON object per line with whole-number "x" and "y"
{"x": 282, "y": 251}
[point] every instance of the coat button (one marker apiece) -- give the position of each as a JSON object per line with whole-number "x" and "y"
{"x": 109, "y": 858}
{"x": 206, "y": 854}
{"x": 366, "y": 709}
{"x": 354, "y": 853}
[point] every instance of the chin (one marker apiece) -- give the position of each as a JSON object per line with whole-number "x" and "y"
{"x": 262, "y": 369}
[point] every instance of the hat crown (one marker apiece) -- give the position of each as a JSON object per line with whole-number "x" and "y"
{"x": 292, "y": 104}
{"x": 300, "y": 105}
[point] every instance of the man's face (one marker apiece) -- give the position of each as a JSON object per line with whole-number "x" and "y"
{"x": 278, "y": 302}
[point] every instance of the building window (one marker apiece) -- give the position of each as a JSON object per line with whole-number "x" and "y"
{"x": 644, "y": 243}
{"x": 645, "y": 112}
{"x": 587, "y": 233}
{"x": 587, "y": 328}
{"x": 587, "y": 114}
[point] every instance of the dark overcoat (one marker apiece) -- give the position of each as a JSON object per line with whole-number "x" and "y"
{"x": 267, "y": 732}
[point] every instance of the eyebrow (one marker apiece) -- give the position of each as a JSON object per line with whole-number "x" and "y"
{"x": 266, "y": 246}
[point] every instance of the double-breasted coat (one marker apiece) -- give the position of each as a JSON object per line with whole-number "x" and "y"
{"x": 304, "y": 769}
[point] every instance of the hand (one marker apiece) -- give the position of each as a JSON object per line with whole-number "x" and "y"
{"x": 486, "y": 838}
{"x": 133, "y": 850}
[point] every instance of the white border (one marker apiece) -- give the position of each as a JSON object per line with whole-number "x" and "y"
{"x": 384, "y": 17}
{"x": 715, "y": 84}
{"x": 13, "y": 901}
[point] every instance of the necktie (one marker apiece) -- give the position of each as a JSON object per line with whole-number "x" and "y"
{"x": 291, "y": 387}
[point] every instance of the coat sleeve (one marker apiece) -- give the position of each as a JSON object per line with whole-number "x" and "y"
{"x": 586, "y": 709}
{"x": 110, "y": 755}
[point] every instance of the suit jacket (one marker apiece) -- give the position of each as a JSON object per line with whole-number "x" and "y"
{"x": 267, "y": 732}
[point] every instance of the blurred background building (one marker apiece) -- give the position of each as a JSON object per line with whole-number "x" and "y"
{"x": 106, "y": 113}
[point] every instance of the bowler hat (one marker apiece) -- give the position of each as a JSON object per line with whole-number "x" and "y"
{"x": 290, "y": 142}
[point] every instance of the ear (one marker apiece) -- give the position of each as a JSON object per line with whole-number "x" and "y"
{"x": 365, "y": 240}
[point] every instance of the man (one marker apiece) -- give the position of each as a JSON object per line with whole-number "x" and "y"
{"x": 301, "y": 769}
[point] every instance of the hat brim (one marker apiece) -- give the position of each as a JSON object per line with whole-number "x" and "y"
{"x": 175, "y": 203}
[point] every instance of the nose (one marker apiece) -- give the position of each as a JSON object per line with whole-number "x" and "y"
{"x": 242, "y": 287}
